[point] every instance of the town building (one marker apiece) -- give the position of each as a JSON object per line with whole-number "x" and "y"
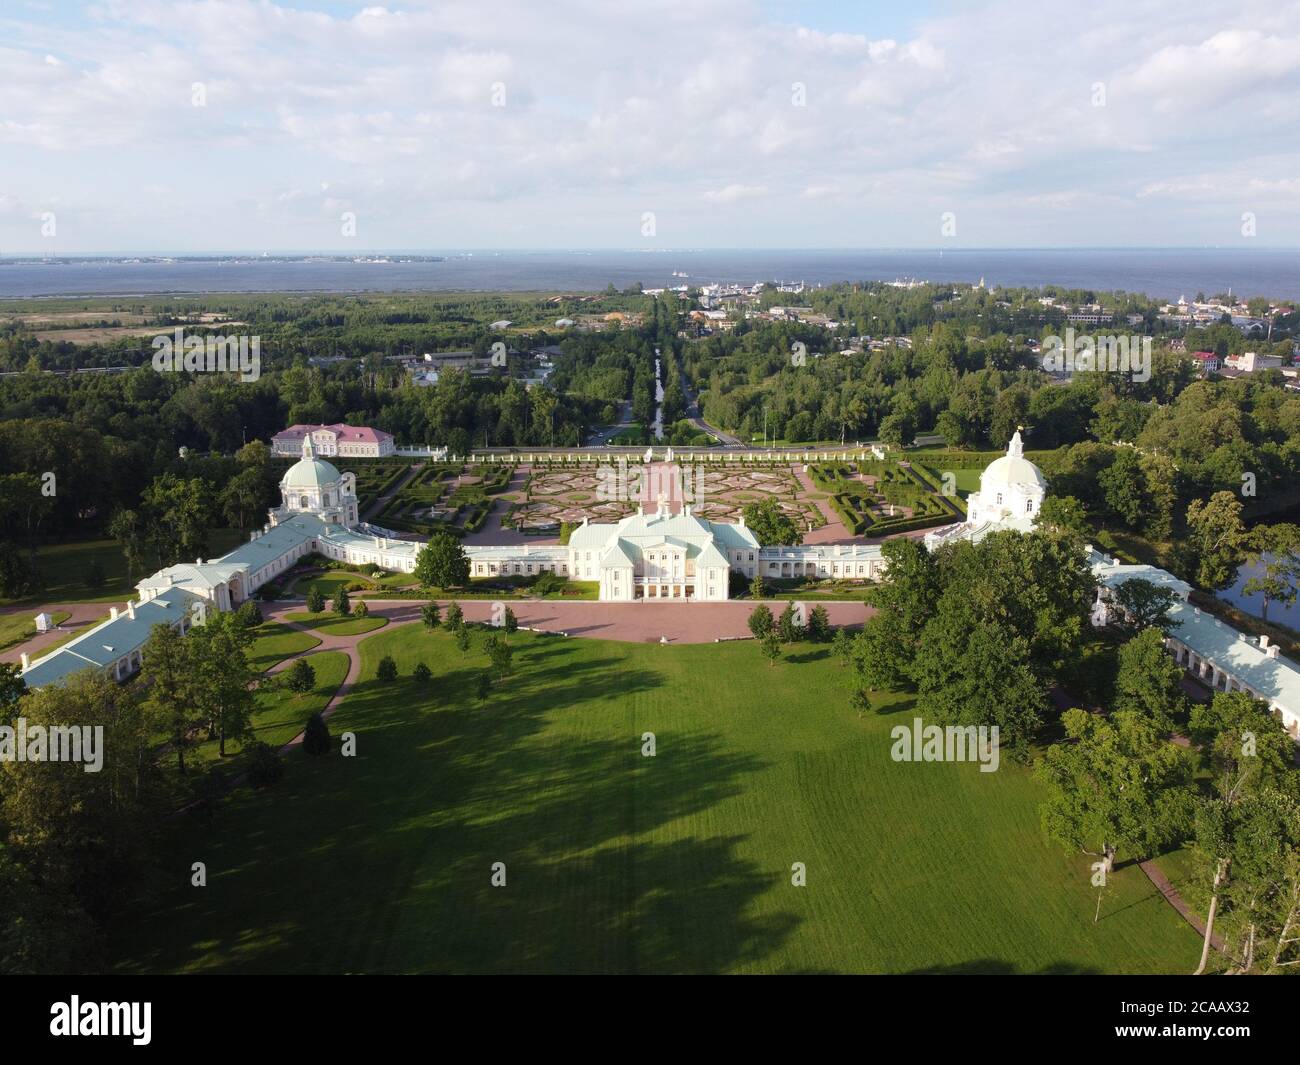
{"x": 1208, "y": 361}
{"x": 1252, "y": 362}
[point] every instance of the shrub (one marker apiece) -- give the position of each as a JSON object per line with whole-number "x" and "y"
{"x": 264, "y": 767}
{"x": 249, "y": 614}
{"x": 422, "y": 673}
{"x": 316, "y": 736}
{"x": 547, "y": 583}
{"x": 361, "y": 610}
{"x": 301, "y": 677}
{"x": 387, "y": 669}
{"x": 342, "y": 605}
{"x": 316, "y": 601}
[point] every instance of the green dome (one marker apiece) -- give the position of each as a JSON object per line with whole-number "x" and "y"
{"x": 310, "y": 473}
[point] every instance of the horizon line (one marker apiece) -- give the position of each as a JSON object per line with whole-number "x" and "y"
{"x": 462, "y": 250}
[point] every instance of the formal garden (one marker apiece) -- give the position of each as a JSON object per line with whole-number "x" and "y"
{"x": 885, "y": 497}
{"x": 444, "y": 496}
{"x": 559, "y": 495}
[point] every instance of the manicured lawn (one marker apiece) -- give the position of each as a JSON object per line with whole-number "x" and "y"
{"x": 621, "y": 863}
{"x": 329, "y": 583}
{"x": 19, "y": 628}
{"x": 275, "y": 643}
{"x": 517, "y": 588}
{"x": 337, "y": 624}
{"x": 280, "y": 713}
{"x": 819, "y": 591}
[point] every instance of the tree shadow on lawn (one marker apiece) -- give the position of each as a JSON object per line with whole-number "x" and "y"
{"x": 383, "y": 862}
{"x": 815, "y": 655}
{"x": 905, "y": 705}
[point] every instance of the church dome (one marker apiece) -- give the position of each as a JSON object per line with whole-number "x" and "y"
{"x": 1012, "y": 469}
{"x": 309, "y": 471}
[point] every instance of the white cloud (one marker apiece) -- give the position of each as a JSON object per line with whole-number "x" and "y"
{"x": 609, "y": 110}
{"x": 734, "y": 192}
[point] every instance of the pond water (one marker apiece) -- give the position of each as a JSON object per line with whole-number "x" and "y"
{"x": 1254, "y": 604}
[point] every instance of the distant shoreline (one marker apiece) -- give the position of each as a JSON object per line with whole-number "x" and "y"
{"x": 1159, "y": 273}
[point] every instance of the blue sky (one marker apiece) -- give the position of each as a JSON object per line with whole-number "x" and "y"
{"x": 211, "y": 125}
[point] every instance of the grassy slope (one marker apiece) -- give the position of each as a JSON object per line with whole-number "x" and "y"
{"x": 620, "y": 863}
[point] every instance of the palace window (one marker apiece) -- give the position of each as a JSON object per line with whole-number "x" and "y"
{"x": 999, "y": 497}
{"x": 1029, "y": 506}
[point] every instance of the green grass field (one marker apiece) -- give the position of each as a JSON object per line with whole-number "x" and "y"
{"x": 622, "y": 863}
{"x": 65, "y": 567}
{"x": 328, "y": 583}
{"x": 275, "y": 643}
{"x": 19, "y": 628}
{"x": 337, "y": 624}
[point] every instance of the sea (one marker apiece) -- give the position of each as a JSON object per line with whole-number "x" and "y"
{"x": 1163, "y": 273}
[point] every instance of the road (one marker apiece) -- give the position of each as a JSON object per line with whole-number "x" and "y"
{"x": 694, "y": 417}
{"x": 604, "y": 436}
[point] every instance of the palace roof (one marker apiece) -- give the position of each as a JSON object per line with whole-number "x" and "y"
{"x": 109, "y": 640}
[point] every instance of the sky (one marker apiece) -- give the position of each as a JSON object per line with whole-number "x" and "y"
{"x": 308, "y": 125}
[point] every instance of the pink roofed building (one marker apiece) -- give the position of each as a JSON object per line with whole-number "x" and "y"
{"x": 339, "y": 440}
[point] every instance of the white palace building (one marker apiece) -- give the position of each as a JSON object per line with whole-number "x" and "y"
{"x": 661, "y": 553}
